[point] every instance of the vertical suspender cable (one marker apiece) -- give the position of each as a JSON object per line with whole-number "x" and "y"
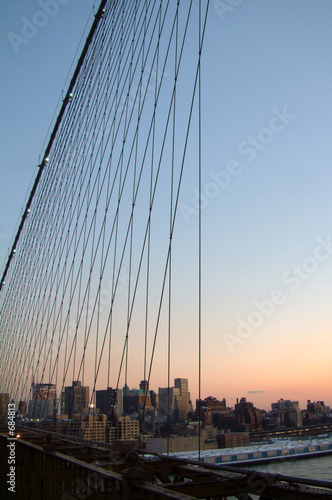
{"x": 199, "y": 234}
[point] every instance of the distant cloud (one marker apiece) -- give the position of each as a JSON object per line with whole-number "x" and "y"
{"x": 255, "y": 392}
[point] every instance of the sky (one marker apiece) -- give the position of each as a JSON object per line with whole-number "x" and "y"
{"x": 266, "y": 177}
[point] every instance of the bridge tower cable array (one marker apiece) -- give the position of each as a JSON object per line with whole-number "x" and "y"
{"x": 92, "y": 288}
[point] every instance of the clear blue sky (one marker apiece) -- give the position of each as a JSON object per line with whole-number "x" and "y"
{"x": 267, "y": 181}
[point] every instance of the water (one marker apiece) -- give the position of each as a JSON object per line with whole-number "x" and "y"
{"x": 311, "y": 468}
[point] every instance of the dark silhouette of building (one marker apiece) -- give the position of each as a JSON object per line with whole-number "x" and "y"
{"x": 317, "y": 413}
{"x": 154, "y": 399}
{"x": 134, "y": 400}
{"x": 247, "y": 417}
{"x": 106, "y": 400}
{"x": 23, "y": 407}
{"x": 212, "y": 403}
{"x": 76, "y": 398}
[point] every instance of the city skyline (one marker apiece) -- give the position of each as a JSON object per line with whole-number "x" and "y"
{"x": 267, "y": 241}
{"x": 231, "y": 400}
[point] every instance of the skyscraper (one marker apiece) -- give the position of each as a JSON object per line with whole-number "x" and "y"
{"x": 175, "y": 401}
{"x": 183, "y": 399}
{"x": 109, "y": 400}
{"x": 43, "y": 402}
{"x": 76, "y": 398}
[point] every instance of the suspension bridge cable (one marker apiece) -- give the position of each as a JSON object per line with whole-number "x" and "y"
{"x": 93, "y": 280}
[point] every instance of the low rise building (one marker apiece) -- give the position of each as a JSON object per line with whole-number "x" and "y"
{"x": 124, "y": 428}
{"x": 233, "y": 439}
{"x": 176, "y": 444}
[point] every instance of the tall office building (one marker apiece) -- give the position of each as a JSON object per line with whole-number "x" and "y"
{"x": 43, "y": 402}
{"x": 23, "y": 408}
{"x": 175, "y": 401}
{"x": 184, "y": 397}
{"x": 144, "y": 397}
{"x": 76, "y": 398}
{"x": 43, "y": 391}
{"x": 109, "y": 401}
{"x": 134, "y": 400}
